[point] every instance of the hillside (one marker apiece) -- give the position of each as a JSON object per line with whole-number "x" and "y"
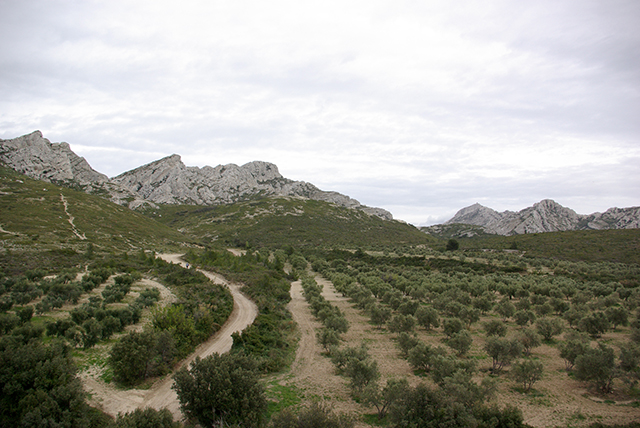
{"x": 618, "y": 246}
{"x": 47, "y": 216}
{"x": 165, "y": 181}
{"x": 277, "y": 222}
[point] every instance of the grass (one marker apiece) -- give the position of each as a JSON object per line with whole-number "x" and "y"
{"x": 34, "y": 213}
{"x": 277, "y": 222}
{"x": 616, "y": 245}
{"x": 282, "y": 396}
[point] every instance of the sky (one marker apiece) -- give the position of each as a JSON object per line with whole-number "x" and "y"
{"x": 419, "y": 107}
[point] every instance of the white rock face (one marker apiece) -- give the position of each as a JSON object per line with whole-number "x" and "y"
{"x": 165, "y": 181}
{"x": 169, "y": 181}
{"x": 545, "y": 216}
{"x": 37, "y": 157}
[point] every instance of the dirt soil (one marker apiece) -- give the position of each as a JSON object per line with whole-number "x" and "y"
{"x": 113, "y": 401}
{"x": 557, "y": 400}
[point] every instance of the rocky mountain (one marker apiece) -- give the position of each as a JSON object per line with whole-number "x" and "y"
{"x": 545, "y": 216}
{"x": 169, "y": 181}
{"x": 166, "y": 181}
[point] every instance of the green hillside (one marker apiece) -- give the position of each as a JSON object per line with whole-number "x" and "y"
{"x": 615, "y": 245}
{"x": 34, "y": 215}
{"x": 287, "y": 221}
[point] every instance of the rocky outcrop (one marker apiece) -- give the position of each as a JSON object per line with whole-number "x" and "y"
{"x": 169, "y": 181}
{"x": 165, "y": 181}
{"x": 545, "y": 216}
{"x": 37, "y": 157}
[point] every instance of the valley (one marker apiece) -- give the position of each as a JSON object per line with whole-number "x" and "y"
{"x": 336, "y": 312}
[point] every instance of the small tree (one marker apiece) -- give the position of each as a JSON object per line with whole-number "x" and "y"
{"x": 549, "y": 327}
{"x": 406, "y": 342}
{"x": 221, "y": 389}
{"x": 524, "y": 317}
{"x": 617, "y": 315}
{"x": 379, "y": 314}
{"x": 573, "y": 347}
{"x": 527, "y": 372}
{"x": 495, "y": 328}
{"x": 361, "y": 373}
{"x": 529, "y": 339}
{"x": 400, "y": 323}
{"x": 422, "y": 356}
{"x": 502, "y": 351}
{"x": 594, "y": 324}
{"x": 598, "y": 366}
{"x": 428, "y": 317}
{"x": 506, "y": 309}
{"x": 328, "y": 338}
{"x": 452, "y": 326}
{"x": 461, "y": 342}
{"x": 394, "y": 391}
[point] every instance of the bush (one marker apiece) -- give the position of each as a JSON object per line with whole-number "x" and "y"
{"x": 221, "y": 390}
{"x": 138, "y": 356}
{"x": 147, "y": 418}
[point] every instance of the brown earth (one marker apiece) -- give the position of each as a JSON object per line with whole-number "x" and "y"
{"x": 113, "y": 401}
{"x": 557, "y": 400}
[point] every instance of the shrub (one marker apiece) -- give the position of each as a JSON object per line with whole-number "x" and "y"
{"x": 221, "y": 390}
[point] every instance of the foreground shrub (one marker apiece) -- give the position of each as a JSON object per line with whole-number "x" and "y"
{"x": 221, "y": 390}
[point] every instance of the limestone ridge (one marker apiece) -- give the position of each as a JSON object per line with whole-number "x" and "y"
{"x": 165, "y": 181}
{"x": 169, "y": 181}
{"x": 545, "y": 216}
{"x": 37, "y": 157}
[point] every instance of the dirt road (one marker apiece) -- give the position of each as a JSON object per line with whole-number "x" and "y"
{"x": 160, "y": 395}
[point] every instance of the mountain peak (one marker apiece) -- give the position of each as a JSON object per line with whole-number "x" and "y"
{"x": 37, "y": 157}
{"x": 545, "y": 216}
{"x": 164, "y": 181}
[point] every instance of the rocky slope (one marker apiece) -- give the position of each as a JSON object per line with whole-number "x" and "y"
{"x": 166, "y": 181}
{"x": 545, "y": 216}
{"x": 169, "y": 181}
{"x": 36, "y": 157}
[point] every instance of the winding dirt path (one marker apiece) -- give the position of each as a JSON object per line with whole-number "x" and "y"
{"x": 160, "y": 395}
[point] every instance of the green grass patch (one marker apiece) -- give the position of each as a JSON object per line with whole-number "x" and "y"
{"x": 282, "y": 396}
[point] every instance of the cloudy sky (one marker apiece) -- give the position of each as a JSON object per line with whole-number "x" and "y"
{"x": 419, "y": 107}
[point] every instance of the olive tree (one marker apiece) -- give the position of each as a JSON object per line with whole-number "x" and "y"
{"x": 527, "y": 372}
{"x": 597, "y": 365}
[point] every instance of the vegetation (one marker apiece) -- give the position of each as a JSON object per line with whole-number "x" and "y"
{"x": 277, "y": 222}
{"x": 470, "y": 315}
{"x": 221, "y": 390}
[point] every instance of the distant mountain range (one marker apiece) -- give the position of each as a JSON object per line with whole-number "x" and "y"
{"x": 544, "y": 216}
{"x": 169, "y": 181}
{"x": 165, "y": 181}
